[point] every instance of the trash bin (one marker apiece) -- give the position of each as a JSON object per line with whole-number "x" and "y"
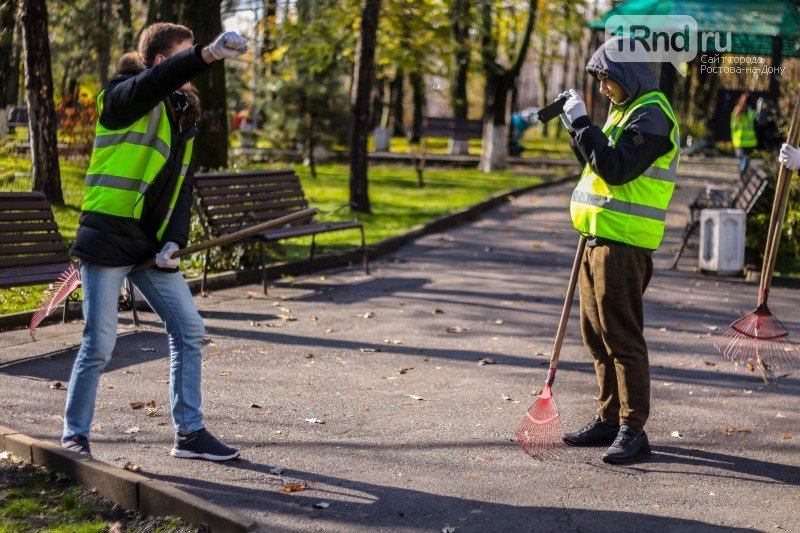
{"x": 722, "y": 233}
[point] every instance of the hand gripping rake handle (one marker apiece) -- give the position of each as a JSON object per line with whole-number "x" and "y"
{"x": 562, "y": 322}
{"x": 237, "y": 235}
{"x": 778, "y": 211}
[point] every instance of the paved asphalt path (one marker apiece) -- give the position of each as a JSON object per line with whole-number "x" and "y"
{"x": 417, "y": 436}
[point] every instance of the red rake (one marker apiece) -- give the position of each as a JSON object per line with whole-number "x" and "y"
{"x": 70, "y": 279}
{"x": 759, "y": 338}
{"x": 540, "y": 433}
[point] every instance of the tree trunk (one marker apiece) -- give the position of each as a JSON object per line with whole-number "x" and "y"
{"x": 103, "y": 40}
{"x": 398, "y": 110}
{"x": 364, "y": 73}
{"x": 461, "y": 24}
{"x": 46, "y": 175}
{"x": 494, "y": 148}
{"x": 211, "y": 144}
{"x": 418, "y": 96}
{"x": 7, "y": 71}
{"x": 126, "y": 18}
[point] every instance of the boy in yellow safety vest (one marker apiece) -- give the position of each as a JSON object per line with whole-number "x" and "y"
{"x": 620, "y": 204}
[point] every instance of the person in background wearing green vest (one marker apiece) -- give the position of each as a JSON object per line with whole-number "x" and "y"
{"x": 620, "y": 205}
{"x": 137, "y": 205}
{"x": 743, "y": 131}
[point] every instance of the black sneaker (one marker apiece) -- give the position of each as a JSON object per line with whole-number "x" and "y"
{"x": 593, "y": 433}
{"x": 78, "y": 444}
{"x": 630, "y": 445}
{"x": 201, "y": 444}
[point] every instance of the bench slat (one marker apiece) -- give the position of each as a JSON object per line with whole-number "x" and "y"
{"x": 27, "y": 215}
{"x": 39, "y": 248}
{"x": 308, "y": 229}
{"x": 41, "y": 226}
{"x": 31, "y": 276}
{"x": 257, "y": 197}
{"x": 237, "y": 181}
{"x": 251, "y": 207}
{"x": 19, "y": 238}
{"x": 33, "y": 260}
{"x": 236, "y": 223}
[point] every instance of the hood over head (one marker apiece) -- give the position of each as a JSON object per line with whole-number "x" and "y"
{"x": 636, "y": 77}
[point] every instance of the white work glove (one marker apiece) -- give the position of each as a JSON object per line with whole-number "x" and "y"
{"x": 228, "y": 44}
{"x": 564, "y": 118}
{"x": 574, "y": 107}
{"x": 164, "y": 258}
{"x": 789, "y": 157}
{"x": 530, "y": 115}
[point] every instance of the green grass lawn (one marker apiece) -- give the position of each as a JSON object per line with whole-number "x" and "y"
{"x": 397, "y": 205}
{"x": 35, "y": 499}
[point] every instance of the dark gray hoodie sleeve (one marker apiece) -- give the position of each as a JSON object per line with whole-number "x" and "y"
{"x": 644, "y": 139}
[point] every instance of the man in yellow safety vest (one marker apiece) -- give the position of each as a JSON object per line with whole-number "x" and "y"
{"x": 620, "y": 205}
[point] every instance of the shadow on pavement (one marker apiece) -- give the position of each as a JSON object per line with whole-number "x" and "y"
{"x": 132, "y": 348}
{"x": 366, "y": 504}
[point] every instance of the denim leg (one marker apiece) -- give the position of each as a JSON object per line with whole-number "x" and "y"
{"x": 170, "y": 297}
{"x": 100, "y": 296}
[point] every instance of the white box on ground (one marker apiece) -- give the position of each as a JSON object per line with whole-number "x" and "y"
{"x": 722, "y": 234}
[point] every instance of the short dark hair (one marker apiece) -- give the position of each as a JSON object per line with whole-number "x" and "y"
{"x": 158, "y": 38}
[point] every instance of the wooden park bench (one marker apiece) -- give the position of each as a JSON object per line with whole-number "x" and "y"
{"x": 32, "y": 251}
{"x": 442, "y": 127}
{"x": 743, "y": 196}
{"x": 226, "y": 202}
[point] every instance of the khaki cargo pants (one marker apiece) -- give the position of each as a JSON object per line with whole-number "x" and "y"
{"x": 613, "y": 278}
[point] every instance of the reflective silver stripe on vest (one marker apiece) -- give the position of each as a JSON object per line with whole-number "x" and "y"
{"x": 148, "y": 138}
{"x": 184, "y": 170}
{"x": 116, "y": 182}
{"x": 612, "y": 204}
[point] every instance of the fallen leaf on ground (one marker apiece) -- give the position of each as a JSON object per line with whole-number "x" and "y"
{"x": 58, "y": 386}
{"x": 4, "y": 455}
{"x": 321, "y": 505}
{"x": 451, "y": 529}
{"x": 734, "y": 429}
{"x": 369, "y": 314}
{"x": 130, "y": 466}
{"x": 438, "y": 312}
{"x": 457, "y": 329}
{"x": 314, "y": 421}
{"x": 677, "y": 434}
{"x": 294, "y": 488}
{"x": 785, "y": 436}
{"x": 780, "y": 415}
{"x": 663, "y": 328}
{"x": 418, "y": 398}
{"x": 537, "y": 392}
{"x": 255, "y": 406}
{"x": 276, "y": 470}
{"x": 505, "y": 397}
{"x": 750, "y": 367}
{"x": 404, "y": 370}
{"x": 487, "y": 361}
{"x": 392, "y": 341}
{"x": 369, "y": 350}
{"x": 710, "y": 363}
{"x": 136, "y": 405}
{"x": 132, "y": 430}
{"x": 498, "y": 322}
{"x": 225, "y": 373}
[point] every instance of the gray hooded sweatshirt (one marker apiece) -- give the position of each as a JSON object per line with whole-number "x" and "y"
{"x": 645, "y": 137}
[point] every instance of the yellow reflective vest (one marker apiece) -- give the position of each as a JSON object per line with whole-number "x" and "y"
{"x": 743, "y": 130}
{"x": 633, "y": 213}
{"x": 126, "y": 161}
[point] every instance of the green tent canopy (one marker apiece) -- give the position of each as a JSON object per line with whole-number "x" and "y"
{"x": 755, "y": 25}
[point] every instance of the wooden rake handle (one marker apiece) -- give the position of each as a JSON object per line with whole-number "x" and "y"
{"x": 778, "y": 211}
{"x": 562, "y": 322}
{"x": 237, "y": 235}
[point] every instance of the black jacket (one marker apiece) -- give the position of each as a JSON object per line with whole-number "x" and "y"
{"x": 115, "y": 241}
{"x": 645, "y": 137}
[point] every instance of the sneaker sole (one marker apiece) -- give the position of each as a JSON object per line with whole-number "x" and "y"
{"x": 641, "y": 454}
{"x": 185, "y": 454}
{"x": 595, "y": 443}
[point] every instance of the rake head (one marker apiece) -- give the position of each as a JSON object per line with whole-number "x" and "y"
{"x": 68, "y": 281}
{"x": 540, "y": 434}
{"x": 758, "y": 339}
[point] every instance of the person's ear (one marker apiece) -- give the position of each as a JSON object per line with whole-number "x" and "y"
{"x": 158, "y": 59}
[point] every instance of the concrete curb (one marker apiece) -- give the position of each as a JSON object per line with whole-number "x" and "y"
{"x": 129, "y": 490}
{"x": 227, "y": 279}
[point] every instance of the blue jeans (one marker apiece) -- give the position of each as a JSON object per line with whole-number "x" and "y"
{"x": 169, "y": 296}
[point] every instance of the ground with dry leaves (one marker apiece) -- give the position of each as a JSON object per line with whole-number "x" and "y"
{"x": 389, "y": 401}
